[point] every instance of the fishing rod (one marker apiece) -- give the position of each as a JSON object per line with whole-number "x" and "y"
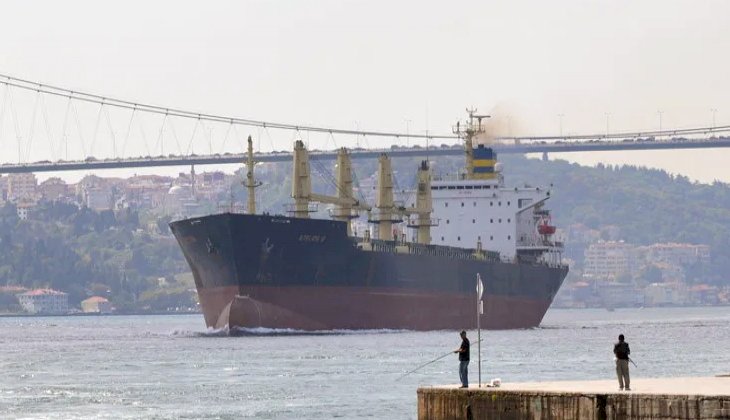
{"x": 632, "y": 362}
{"x": 428, "y": 363}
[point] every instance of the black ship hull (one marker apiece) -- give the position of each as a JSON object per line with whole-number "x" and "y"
{"x": 281, "y": 272}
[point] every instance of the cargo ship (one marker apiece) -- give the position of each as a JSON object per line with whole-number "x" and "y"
{"x": 295, "y": 272}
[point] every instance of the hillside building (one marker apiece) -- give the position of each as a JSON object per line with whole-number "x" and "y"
{"x": 96, "y": 304}
{"x": 609, "y": 259}
{"x": 23, "y": 185}
{"x": 98, "y": 198}
{"x": 677, "y": 254}
{"x": 53, "y": 188}
{"x": 44, "y": 301}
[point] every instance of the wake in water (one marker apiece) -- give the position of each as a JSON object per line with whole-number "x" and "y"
{"x": 210, "y": 332}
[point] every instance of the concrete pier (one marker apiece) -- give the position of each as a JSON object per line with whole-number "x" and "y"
{"x": 661, "y": 398}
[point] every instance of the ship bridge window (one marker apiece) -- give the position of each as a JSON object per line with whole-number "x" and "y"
{"x": 446, "y": 204}
{"x": 491, "y": 220}
{"x": 458, "y": 238}
{"x": 508, "y": 203}
{"x": 509, "y": 237}
{"x": 442, "y": 239}
{"x": 462, "y": 204}
{"x": 509, "y": 220}
{"x": 469, "y": 187}
{"x": 491, "y": 204}
{"x": 459, "y": 187}
{"x": 473, "y": 221}
{"x": 499, "y": 203}
{"x": 447, "y": 221}
{"x": 491, "y": 238}
{"x": 475, "y": 204}
{"x": 500, "y": 220}
{"x": 451, "y": 187}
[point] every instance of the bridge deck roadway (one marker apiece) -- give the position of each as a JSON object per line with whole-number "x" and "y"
{"x": 217, "y": 159}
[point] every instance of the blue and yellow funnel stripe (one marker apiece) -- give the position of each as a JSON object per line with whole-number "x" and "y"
{"x": 484, "y": 160}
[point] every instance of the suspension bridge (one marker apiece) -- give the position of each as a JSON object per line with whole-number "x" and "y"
{"x": 46, "y": 128}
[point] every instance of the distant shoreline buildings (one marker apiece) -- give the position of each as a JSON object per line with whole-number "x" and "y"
{"x": 615, "y": 273}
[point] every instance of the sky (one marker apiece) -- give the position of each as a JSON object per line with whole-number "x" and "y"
{"x": 411, "y": 65}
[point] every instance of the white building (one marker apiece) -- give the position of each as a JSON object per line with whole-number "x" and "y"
{"x": 23, "y": 207}
{"x": 44, "y": 301}
{"x": 608, "y": 260}
{"x": 677, "y": 254}
{"x": 98, "y": 198}
{"x": 664, "y": 294}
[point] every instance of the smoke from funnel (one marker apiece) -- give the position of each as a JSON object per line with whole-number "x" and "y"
{"x": 504, "y": 122}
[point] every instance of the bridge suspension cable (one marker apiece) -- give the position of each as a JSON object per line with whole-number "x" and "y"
{"x": 167, "y": 111}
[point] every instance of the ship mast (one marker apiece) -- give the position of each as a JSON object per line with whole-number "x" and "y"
{"x": 468, "y": 133}
{"x": 301, "y": 181}
{"x": 344, "y": 203}
{"x": 250, "y": 182}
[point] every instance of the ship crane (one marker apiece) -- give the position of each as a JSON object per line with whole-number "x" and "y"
{"x": 302, "y": 193}
{"x": 387, "y": 213}
{"x": 251, "y": 183}
{"x": 423, "y": 208}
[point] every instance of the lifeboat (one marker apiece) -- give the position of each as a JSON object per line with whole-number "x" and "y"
{"x": 544, "y": 227}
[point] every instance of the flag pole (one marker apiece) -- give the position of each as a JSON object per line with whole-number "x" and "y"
{"x": 480, "y": 290}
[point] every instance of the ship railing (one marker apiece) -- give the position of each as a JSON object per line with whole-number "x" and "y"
{"x": 291, "y": 208}
{"x": 433, "y": 250}
{"x": 414, "y": 222}
{"x": 537, "y": 241}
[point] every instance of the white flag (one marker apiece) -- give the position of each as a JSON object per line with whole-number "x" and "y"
{"x": 480, "y": 287}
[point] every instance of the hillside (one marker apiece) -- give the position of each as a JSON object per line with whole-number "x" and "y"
{"x": 83, "y": 252}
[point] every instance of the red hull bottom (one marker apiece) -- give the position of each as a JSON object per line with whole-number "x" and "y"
{"x": 327, "y": 308}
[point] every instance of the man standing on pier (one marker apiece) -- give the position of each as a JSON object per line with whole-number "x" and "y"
{"x": 463, "y": 351}
{"x": 621, "y": 351}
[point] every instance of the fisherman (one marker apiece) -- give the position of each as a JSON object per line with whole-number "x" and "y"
{"x": 621, "y": 351}
{"x": 463, "y": 351}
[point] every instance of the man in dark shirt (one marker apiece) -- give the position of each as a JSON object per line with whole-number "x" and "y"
{"x": 621, "y": 351}
{"x": 463, "y": 351}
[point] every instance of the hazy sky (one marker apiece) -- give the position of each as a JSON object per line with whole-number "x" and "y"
{"x": 377, "y": 65}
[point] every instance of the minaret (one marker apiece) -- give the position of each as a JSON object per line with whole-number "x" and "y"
{"x": 251, "y": 183}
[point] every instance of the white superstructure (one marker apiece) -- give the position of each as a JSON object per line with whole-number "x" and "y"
{"x": 474, "y": 213}
{"x": 475, "y": 209}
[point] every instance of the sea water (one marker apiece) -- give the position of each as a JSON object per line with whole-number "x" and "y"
{"x": 170, "y": 367}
